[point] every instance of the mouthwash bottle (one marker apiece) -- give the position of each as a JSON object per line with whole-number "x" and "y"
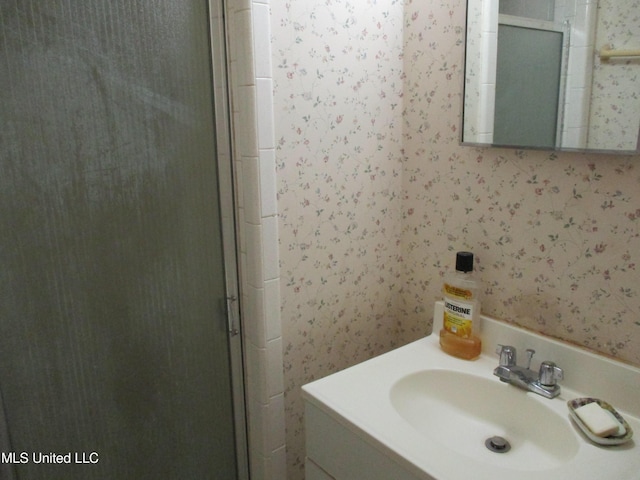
{"x": 461, "y": 310}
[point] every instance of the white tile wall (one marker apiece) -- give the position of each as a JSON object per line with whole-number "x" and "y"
{"x": 262, "y": 39}
{"x": 273, "y": 328}
{"x": 245, "y": 121}
{"x": 255, "y": 331}
{"x": 483, "y": 26}
{"x": 270, "y": 249}
{"x": 268, "y": 182}
{"x": 243, "y": 40}
{"x": 487, "y": 87}
{"x": 251, "y": 192}
{"x": 581, "y": 14}
{"x": 265, "y": 113}
{"x": 254, "y": 147}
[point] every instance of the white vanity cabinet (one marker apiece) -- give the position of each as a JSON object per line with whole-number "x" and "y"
{"x": 336, "y": 452}
{"x": 416, "y": 413}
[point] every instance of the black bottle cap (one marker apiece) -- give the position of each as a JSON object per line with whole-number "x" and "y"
{"x": 464, "y": 261}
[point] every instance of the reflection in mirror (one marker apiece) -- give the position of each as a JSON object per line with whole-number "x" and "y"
{"x": 553, "y": 74}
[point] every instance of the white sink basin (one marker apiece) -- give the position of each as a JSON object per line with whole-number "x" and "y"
{"x": 417, "y": 413}
{"x": 461, "y": 411}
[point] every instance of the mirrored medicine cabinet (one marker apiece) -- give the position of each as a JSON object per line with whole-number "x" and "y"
{"x": 553, "y": 75}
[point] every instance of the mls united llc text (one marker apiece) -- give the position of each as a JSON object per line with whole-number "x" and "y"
{"x": 51, "y": 457}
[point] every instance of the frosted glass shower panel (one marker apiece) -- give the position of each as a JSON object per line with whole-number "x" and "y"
{"x": 112, "y": 334}
{"x": 527, "y": 86}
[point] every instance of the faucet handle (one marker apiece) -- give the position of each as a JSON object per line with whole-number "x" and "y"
{"x": 507, "y": 355}
{"x": 530, "y": 353}
{"x": 549, "y": 374}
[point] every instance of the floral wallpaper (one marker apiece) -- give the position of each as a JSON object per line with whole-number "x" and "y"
{"x": 616, "y": 101}
{"x": 375, "y": 196}
{"x": 338, "y": 83}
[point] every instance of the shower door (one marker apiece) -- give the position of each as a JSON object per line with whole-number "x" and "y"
{"x": 528, "y": 77}
{"x": 114, "y": 346}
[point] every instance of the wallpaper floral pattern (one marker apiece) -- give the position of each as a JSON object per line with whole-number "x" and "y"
{"x": 615, "y": 107}
{"x": 375, "y": 196}
{"x": 338, "y": 85}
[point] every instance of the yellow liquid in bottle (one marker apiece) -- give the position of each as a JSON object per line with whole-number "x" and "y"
{"x": 467, "y": 348}
{"x": 461, "y": 310}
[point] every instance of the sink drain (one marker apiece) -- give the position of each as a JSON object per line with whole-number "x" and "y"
{"x": 497, "y": 444}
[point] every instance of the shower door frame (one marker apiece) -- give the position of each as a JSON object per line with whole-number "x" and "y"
{"x": 226, "y": 191}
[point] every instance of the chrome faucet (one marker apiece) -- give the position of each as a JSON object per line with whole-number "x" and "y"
{"x": 543, "y": 382}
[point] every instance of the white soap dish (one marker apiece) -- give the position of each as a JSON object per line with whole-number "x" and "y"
{"x": 611, "y": 439}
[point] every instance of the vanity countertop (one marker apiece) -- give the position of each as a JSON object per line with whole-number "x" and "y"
{"x": 360, "y": 400}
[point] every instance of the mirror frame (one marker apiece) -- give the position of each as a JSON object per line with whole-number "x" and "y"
{"x": 464, "y": 143}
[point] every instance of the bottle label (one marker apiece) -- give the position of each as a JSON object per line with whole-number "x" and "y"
{"x": 458, "y": 313}
{"x": 457, "y": 292}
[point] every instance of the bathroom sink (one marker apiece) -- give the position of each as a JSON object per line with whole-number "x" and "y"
{"x": 416, "y": 413}
{"x": 462, "y": 411}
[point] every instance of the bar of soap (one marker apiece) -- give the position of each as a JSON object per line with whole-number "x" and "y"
{"x": 621, "y": 429}
{"x": 597, "y": 419}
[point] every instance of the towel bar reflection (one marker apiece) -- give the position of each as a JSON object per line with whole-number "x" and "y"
{"x": 607, "y": 52}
